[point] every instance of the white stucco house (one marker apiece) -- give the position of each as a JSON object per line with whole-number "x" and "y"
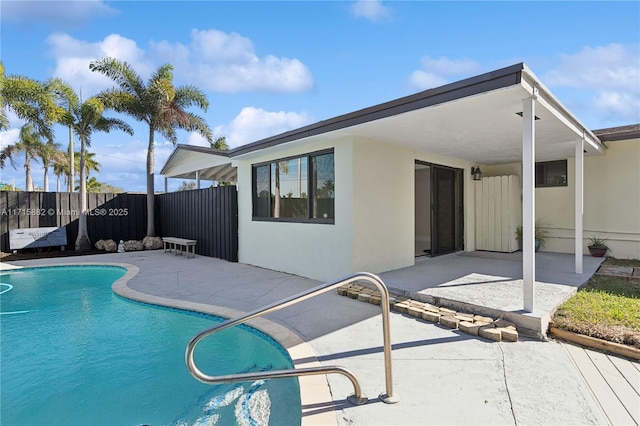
{"x": 373, "y": 189}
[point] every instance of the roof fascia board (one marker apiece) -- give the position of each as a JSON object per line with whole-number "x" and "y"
{"x": 487, "y": 82}
{"x": 553, "y": 105}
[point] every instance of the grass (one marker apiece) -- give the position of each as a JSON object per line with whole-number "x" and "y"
{"x": 607, "y": 308}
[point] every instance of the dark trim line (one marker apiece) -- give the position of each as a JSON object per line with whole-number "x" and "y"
{"x": 490, "y": 81}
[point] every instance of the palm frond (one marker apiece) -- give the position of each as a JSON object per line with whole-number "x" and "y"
{"x": 121, "y": 73}
{"x": 187, "y": 96}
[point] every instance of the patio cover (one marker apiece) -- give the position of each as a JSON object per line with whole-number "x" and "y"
{"x": 199, "y": 163}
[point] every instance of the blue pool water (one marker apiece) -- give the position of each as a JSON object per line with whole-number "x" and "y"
{"x": 74, "y": 353}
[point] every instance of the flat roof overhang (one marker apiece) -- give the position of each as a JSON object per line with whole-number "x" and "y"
{"x": 210, "y": 164}
{"x": 475, "y": 119}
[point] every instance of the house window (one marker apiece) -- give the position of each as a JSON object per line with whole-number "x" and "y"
{"x": 551, "y": 173}
{"x": 295, "y": 189}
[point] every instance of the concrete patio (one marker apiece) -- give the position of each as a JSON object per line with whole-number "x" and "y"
{"x": 442, "y": 376}
{"x": 490, "y": 283}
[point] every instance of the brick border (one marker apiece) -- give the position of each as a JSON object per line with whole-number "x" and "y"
{"x": 496, "y": 330}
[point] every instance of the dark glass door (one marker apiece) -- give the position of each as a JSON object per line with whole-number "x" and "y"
{"x": 446, "y": 210}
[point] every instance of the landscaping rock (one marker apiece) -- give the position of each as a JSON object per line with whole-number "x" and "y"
{"x": 99, "y": 245}
{"x": 110, "y": 246}
{"x": 152, "y": 243}
{"x": 133, "y": 245}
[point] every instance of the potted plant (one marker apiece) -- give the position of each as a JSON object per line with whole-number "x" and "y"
{"x": 540, "y": 235}
{"x": 597, "y": 246}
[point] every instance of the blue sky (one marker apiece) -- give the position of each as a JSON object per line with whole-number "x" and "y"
{"x": 268, "y": 67}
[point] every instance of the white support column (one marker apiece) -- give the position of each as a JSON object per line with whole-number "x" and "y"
{"x": 579, "y": 208}
{"x": 198, "y": 179}
{"x": 165, "y": 185}
{"x": 528, "y": 201}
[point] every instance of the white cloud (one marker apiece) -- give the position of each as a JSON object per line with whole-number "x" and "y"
{"x": 197, "y": 139}
{"x": 228, "y": 63}
{"x": 372, "y": 10}
{"x": 437, "y": 72}
{"x": 72, "y": 57}
{"x": 69, "y": 13}
{"x": 9, "y": 137}
{"x": 253, "y": 124}
{"x": 608, "y": 78}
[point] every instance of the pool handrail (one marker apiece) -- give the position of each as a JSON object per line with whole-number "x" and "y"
{"x": 357, "y": 398}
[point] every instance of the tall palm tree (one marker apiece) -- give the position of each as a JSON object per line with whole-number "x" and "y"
{"x": 158, "y": 103}
{"x": 61, "y": 169}
{"x": 65, "y": 96}
{"x": 31, "y": 143}
{"x": 50, "y": 154}
{"x": 86, "y": 118}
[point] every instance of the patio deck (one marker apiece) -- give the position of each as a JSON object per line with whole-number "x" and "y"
{"x": 490, "y": 284}
{"x": 442, "y": 376}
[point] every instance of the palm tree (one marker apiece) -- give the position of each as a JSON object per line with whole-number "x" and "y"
{"x": 50, "y": 155}
{"x": 65, "y": 96}
{"x": 93, "y": 185}
{"x": 61, "y": 169}
{"x": 86, "y": 118}
{"x": 30, "y": 142}
{"x": 30, "y": 100}
{"x": 158, "y": 103}
{"x": 220, "y": 143}
{"x": 90, "y": 163}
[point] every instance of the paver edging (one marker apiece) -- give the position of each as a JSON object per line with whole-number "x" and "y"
{"x": 592, "y": 342}
{"x": 475, "y": 325}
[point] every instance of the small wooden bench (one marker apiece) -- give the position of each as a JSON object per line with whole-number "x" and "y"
{"x": 177, "y": 245}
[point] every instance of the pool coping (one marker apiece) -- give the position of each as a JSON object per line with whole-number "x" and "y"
{"x": 315, "y": 391}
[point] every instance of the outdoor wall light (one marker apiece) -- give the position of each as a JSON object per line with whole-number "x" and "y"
{"x": 477, "y": 174}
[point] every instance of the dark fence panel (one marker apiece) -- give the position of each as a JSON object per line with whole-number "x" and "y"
{"x": 112, "y": 216}
{"x": 209, "y": 216}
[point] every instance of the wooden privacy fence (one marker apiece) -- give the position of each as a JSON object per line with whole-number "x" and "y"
{"x": 111, "y": 216}
{"x": 207, "y": 215}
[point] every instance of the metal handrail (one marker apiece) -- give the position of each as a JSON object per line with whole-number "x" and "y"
{"x": 357, "y": 398}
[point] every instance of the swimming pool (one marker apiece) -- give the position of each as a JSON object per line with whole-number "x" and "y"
{"x": 73, "y": 352}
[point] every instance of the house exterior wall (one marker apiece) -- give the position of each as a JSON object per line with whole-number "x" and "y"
{"x": 611, "y": 201}
{"x": 314, "y": 250}
{"x": 374, "y": 213}
{"x": 383, "y": 206}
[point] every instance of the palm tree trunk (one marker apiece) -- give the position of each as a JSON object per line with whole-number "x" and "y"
{"x": 57, "y": 183}
{"x": 83, "y": 244}
{"x": 27, "y": 169}
{"x": 46, "y": 179}
{"x": 151, "y": 232}
{"x": 71, "y": 159}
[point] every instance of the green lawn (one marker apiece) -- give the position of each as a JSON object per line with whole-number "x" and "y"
{"x": 607, "y": 308}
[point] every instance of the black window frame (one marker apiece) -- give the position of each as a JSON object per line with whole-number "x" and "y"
{"x": 541, "y": 174}
{"x": 310, "y": 191}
